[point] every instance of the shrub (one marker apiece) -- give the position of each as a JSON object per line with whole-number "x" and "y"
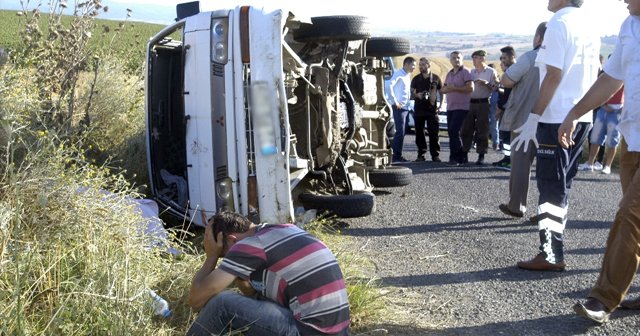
{"x": 75, "y": 259}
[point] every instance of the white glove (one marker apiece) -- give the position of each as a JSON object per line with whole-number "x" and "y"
{"x": 527, "y": 133}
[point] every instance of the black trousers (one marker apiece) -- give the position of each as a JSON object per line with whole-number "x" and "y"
{"x": 556, "y": 168}
{"x": 431, "y": 121}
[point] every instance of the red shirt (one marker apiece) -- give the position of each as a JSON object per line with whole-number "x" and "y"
{"x": 618, "y": 98}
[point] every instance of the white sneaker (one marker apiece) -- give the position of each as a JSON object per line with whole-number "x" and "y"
{"x": 598, "y": 166}
{"x": 606, "y": 170}
{"x": 585, "y": 167}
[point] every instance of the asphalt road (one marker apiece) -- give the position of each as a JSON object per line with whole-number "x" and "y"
{"x": 447, "y": 255}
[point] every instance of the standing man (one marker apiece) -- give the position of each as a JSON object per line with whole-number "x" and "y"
{"x": 291, "y": 283}
{"x": 485, "y": 80}
{"x": 523, "y": 78}
{"x": 400, "y": 95}
{"x": 507, "y": 59}
{"x": 568, "y": 61}
{"x": 425, "y": 88}
{"x": 622, "y": 256}
{"x": 458, "y": 86}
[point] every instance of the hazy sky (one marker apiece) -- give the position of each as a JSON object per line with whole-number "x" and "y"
{"x": 485, "y": 16}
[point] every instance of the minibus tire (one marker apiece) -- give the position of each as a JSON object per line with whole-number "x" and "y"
{"x": 337, "y": 27}
{"x": 343, "y": 206}
{"x": 388, "y": 46}
{"x": 390, "y": 176}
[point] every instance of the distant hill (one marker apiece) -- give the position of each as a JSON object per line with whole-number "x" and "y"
{"x": 440, "y": 44}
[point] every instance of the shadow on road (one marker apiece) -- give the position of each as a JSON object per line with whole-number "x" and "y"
{"x": 585, "y": 251}
{"x": 483, "y": 223}
{"x": 510, "y": 274}
{"x": 569, "y": 324}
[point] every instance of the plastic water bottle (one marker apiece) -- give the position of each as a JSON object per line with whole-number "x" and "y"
{"x": 160, "y": 305}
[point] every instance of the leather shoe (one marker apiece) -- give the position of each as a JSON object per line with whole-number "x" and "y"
{"x": 633, "y": 304}
{"x": 505, "y": 209}
{"x": 593, "y": 310}
{"x": 539, "y": 263}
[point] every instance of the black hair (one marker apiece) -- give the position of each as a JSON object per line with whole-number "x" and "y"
{"x": 577, "y": 3}
{"x": 509, "y": 51}
{"x": 541, "y": 29}
{"x": 229, "y": 222}
{"x": 408, "y": 60}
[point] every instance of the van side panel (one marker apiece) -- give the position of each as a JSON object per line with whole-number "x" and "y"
{"x": 268, "y": 110}
{"x": 197, "y": 86}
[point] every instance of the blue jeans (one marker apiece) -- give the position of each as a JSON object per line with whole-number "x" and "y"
{"x": 400, "y": 119}
{"x": 493, "y": 121}
{"x": 605, "y": 125}
{"x": 230, "y": 311}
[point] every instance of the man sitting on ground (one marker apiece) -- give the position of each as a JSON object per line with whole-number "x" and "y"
{"x": 290, "y": 281}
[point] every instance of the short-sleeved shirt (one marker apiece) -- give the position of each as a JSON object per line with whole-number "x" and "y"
{"x": 571, "y": 46}
{"x": 458, "y": 100}
{"x": 421, "y": 84}
{"x": 624, "y": 64}
{"x": 296, "y": 270}
{"x": 482, "y": 91}
{"x": 524, "y": 93}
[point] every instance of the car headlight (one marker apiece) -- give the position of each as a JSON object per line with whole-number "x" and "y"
{"x": 220, "y": 40}
{"x": 224, "y": 190}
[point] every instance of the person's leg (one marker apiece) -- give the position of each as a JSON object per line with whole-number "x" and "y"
{"x": 593, "y": 151}
{"x": 455, "y": 118}
{"x": 482, "y": 128}
{"x": 453, "y": 154}
{"x": 421, "y": 142}
{"x": 610, "y": 154}
{"x": 621, "y": 258}
{"x": 230, "y": 311}
{"x": 556, "y": 168}
{"x": 552, "y": 201}
{"x": 493, "y": 124}
{"x": 519, "y": 177}
{"x": 434, "y": 138}
{"x": 467, "y": 132}
{"x": 399, "y": 118}
{"x": 596, "y": 137}
{"x": 613, "y": 137}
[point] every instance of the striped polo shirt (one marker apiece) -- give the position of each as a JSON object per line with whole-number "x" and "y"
{"x": 289, "y": 266}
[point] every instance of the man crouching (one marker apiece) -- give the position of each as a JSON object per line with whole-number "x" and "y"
{"x": 290, "y": 281}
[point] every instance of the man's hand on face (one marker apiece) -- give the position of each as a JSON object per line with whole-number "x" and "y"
{"x": 213, "y": 246}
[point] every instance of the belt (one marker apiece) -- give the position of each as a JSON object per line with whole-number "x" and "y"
{"x": 479, "y": 100}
